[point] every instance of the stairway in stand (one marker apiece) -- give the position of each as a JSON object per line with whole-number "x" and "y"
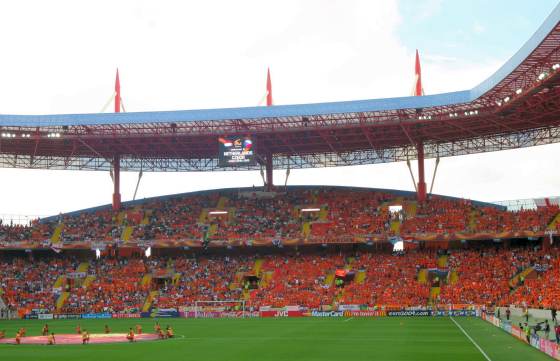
{"x": 61, "y": 300}
{"x": 127, "y": 233}
{"x": 423, "y": 276}
{"x": 204, "y": 217}
{"x": 149, "y": 300}
{"x": 442, "y": 263}
{"x": 57, "y": 234}
{"x": 473, "y": 217}
{"x": 329, "y": 280}
{"x": 519, "y": 278}
{"x": 434, "y": 294}
{"x": 306, "y": 229}
{"x": 360, "y": 277}
{"x": 553, "y": 224}
{"x": 396, "y": 226}
{"x": 83, "y": 267}
{"x": 146, "y": 280}
{"x": 410, "y": 209}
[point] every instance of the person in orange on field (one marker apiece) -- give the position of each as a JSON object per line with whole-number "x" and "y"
{"x": 161, "y": 334}
{"x": 2, "y": 334}
{"x": 130, "y": 335}
{"x": 169, "y": 332}
{"x": 139, "y": 329}
{"x": 79, "y": 329}
{"x": 51, "y": 340}
{"x": 22, "y": 331}
{"x": 45, "y": 330}
{"x": 18, "y": 338}
{"x": 85, "y": 337}
{"x": 157, "y": 327}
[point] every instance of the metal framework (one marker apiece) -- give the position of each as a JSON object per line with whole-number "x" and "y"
{"x": 518, "y": 107}
{"x": 489, "y": 143}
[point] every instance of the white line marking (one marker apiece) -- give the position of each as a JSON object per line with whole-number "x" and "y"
{"x": 351, "y": 318}
{"x": 469, "y": 337}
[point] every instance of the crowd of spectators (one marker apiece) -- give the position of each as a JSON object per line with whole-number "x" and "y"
{"x": 28, "y": 284}
{"x": 203, "y": 279}
{"x": 297, "y": 279}
{"x": 116, "y": 288}
{"x": 542, "y": 288}
{"x": 341, "y": 214}
{"x": 388, "y": 279}
{"x": 482, "y": 277}
{"x": 391, "y": 279}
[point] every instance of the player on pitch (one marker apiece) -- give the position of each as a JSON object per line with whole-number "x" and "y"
{"x": 85, "y": 337}
{"x": 130, "y": 335}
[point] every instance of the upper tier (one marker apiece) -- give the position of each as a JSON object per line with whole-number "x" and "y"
{"x": 295, "y": 215}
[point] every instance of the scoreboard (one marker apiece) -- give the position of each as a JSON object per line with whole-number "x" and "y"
{"x": 236, "y": 151}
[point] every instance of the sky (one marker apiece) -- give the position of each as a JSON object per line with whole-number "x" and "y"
{"x": 61, "y": 57}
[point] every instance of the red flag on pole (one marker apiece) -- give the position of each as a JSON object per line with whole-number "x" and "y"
{"x": 417, "y": 90}
{"x": 117, "y": 94}
{"x": 268, "y": 89}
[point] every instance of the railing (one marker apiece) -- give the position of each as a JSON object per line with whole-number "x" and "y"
{"x": 529, "y": 203}
{"x": 19, "y": 219}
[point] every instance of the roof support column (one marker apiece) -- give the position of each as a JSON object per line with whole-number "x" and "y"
{"x": 421, "y": 190}
{"x": 269, "y": 169}
{"x": 546, "y": 241}
{"x": 116, "y": 157}
{"x": 116, "y": 182}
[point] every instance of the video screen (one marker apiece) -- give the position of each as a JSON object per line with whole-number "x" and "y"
{"x": 236, "y": 151}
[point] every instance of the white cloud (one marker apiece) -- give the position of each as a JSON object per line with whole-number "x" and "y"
{"x": 478, "y": 28}
{"x": 60, "y": 57}
{"x": 427, "y": 9}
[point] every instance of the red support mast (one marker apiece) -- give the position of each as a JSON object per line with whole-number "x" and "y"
{"x": 117, "y": 158}
{"x": 269, "y": 169}
{"x": 418, "y": 91}
{"x": 421, "y": 195}
{"x": 116, "y": 182}
{"x": 268, "y": 89}
{"x": 117, "y": 94}
{"x": 268, "y": 165}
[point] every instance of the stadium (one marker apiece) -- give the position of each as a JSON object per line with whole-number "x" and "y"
{"x": 291, "y": 272}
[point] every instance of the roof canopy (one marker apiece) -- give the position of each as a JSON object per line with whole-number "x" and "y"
{"x": 517, "y": 106}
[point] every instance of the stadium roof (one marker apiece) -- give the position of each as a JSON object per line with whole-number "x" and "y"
{"x": 517, "y": 106}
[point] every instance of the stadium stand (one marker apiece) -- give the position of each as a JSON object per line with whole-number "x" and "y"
{"x": 391, "y": 280}
{"x": 338, "y": 214}
{"x": 316, "y": 276}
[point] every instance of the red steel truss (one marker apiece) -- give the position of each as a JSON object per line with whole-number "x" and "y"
{"x": 520, "y": 111}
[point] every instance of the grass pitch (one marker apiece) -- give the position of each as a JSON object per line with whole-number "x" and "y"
{"x": 355, "y": 339}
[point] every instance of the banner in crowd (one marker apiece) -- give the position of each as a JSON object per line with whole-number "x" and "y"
{"x": 67, "y": 316}
{"x": 409, "y": 313}
{"x": 125, "y": 315}
{"x": 455, "y": 313}
{"x": 316, "y": 313}
{"x": 349, "y": 307}
{"x": 281, "y": 313}
{"x": 364, "y": 313}
{"x": 46, "y": 316}
{"x": 97, "y": 315}
{"x": 220, "y": 314}
{"x": 161, "y": 313}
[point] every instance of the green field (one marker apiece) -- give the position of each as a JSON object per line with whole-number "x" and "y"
{"x": 322, "y": 339}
